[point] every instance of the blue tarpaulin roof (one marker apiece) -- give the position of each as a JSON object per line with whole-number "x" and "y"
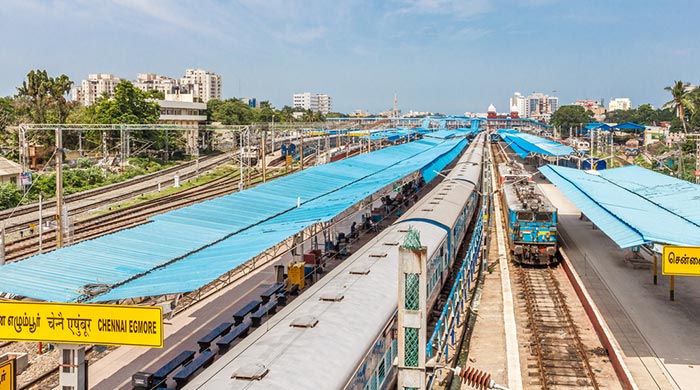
{"x": 524, "y": 144}
{"x": 628, "y": 126}
{"x": 114, "y": 259}
{"x": 633, "y": 205}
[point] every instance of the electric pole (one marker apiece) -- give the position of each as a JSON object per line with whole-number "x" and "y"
{"x": 59, "y": 188}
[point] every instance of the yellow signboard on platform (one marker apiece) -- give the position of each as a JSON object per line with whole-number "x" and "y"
{"x": 75, "y": 323}
{"x": 7, "y": 375}
{"x": 681, "y": 260}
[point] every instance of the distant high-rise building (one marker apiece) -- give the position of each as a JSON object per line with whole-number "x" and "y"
{"x": 96, "y": 85}
{"x": 155, "y": 82}
{"x": 536, "y": 105}
{"x": 620, "y": 104}
{"x": 204, "y": 85}
{"x": 315, "y": 102}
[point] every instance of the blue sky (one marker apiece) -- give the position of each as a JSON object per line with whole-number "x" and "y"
{"x": 439, "y": 55}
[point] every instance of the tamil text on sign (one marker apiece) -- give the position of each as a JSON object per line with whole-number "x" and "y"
{"x": 73, "y": 323}
{"x": 7, "y": 375}
{"x": 681, "y": 260}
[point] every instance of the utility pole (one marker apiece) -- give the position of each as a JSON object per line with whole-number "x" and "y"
{"x": 59, "y": 188}
{"x": 263, "y": 160}
{"x": 301, "y": 148}
{"x": 41, "y": 222}
{"x": 240, "y": 160}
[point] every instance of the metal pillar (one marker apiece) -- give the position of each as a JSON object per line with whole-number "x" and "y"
{"x": 412, "y": 318}
{"x": 41, "y": 222}
{"x": 59, "y": 188}
{"x": 2, "y": 244}
{"x": 301, "y": 149}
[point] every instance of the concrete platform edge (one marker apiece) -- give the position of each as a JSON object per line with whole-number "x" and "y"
{"x": 601, "y": 328}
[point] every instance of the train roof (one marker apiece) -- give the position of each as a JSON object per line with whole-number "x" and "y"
{"x": 438, "y": 206}
{"x": 526, "y": 196}
{"x": 326, "y": 355}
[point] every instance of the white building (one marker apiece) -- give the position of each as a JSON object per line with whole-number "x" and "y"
{"x": 96, "y": 85}
{"x": 620, "y": 104}
{"x": 181, "y": 109}
{"x": 315, "y": 102}
{"x": 155, "y": 82}
{"x": 536, "y": 105}
{"x": 520, "y": 103}
{"x": 205, "y": 85}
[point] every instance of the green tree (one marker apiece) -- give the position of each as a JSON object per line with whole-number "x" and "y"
{"x": 130, "y": 105}
{"x": 44, "y": 96}
{"x": 681, "y": 101}
{"x": 569, "y": 117}
{"x": 10, "y": 196}
{"x": 7, "y": 112}
{"x": 230, "y": 112}
{"x": 35, "y": 91}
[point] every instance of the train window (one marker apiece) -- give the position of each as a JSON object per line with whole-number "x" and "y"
{"x": 524, "y": 216}
{"x": 542, "y": 217}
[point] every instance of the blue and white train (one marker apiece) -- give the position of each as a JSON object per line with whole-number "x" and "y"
{"x": 341, "y": 332}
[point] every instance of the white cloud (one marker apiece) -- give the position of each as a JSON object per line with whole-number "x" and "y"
{"x": 457, "y": 8}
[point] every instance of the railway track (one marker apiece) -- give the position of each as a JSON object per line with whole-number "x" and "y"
{"x": 558, "y": 356}
{"x": 205, "y": 163}
{"x": 128, "y": 216}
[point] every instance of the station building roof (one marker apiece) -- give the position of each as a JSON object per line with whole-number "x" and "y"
{"x": 205, "y": 240}
{"x": 524, "y": 144}
{"x": 633, "y": 205}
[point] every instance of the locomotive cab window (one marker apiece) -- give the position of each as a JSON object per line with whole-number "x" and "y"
{"x": 543, "y": 217}
{"x": 524, "y": 216}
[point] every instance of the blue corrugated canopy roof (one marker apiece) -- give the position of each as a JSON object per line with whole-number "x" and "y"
{"x": 200, "y": 268}
{"x": 61, "y": 275}
{"x": 524, "y": 144}
{"x": 443, "y": 134}
{"x": 633, "y": 205}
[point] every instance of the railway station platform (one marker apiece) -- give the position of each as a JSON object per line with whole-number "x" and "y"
{"x": 655, "y": 335}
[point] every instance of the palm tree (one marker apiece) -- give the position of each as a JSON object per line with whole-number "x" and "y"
{"x": 681, "y": 100}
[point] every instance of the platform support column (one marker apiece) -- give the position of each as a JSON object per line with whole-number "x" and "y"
{"x": 656, "y": 270}
{"x": 72, "y": 367}
{"x": 412, "y": 317}
{"x": 672, "y": 288}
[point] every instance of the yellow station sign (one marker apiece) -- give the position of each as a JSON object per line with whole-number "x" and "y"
{"x": 75, "y": 323}
{"x": 681, "y": 260}
{"x": 7, "y": 375}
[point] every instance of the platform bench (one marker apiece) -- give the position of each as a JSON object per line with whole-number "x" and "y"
{"x": 268, "y": 308}
{"x": 281, "y": 299}
{"x": 274, "y": 289}
{"x": 239, "y": 331}
{"x": 203, "y": 360}
{"x": 183, "y": 358}
{"x": 220, "y": 330}
{"x": 249, "y": 308}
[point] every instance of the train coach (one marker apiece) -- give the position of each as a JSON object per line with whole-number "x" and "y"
{"x": 341, "y": 332}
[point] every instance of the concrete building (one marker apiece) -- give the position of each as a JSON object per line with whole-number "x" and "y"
{"x": 204, "y": 85}
{"x": 9, "y": 171}
{"x": 620, "y": 104}
{"x": 96, "y": 85}
{"x": 251, "y": 102}
{"x": 537, "y": 105}
{"x": 594, "y": 106}
{"x": 155, "y": 82}
{"x": 182, "y": 109}
{"x": 315, "y": 102}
